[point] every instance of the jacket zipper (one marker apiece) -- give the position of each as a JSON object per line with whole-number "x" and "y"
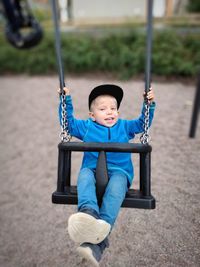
{"x": 109, "y": 135}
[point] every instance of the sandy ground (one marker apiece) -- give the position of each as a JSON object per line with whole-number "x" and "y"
{"x": 33, "y": 230}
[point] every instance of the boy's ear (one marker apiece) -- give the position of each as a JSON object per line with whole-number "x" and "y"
{"x": 91, "y": 115}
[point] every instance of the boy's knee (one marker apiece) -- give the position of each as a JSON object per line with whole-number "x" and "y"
{"x": 86, "y": 174}
{"x": 120, "y": 179}
{"x": 118, "y": 185}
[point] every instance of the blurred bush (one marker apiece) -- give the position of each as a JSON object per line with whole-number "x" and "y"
{"x": 193, "y": 6}
{"x": 123, "y": 56}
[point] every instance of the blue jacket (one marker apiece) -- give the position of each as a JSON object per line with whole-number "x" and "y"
{"x": 122, "y": 131}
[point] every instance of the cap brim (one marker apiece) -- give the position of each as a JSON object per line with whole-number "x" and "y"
{"x": 106, "y": 89}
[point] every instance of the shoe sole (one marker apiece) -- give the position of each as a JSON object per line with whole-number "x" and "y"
{"x": 84, "y": 228}
{"x": 86, "y": 253}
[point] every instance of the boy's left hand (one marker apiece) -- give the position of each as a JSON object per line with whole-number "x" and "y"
{"x": 66, "y": 91}
{"x": 150, "y": 95}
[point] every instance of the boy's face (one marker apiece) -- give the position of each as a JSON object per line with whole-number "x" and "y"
{"x": 104, "y": 110}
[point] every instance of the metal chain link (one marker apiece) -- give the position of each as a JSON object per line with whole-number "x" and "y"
{"x": 145, "y": 136}
{"x": 64, "y": 134}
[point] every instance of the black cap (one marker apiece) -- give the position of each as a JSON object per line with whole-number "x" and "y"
{"x": 106, "y": 89}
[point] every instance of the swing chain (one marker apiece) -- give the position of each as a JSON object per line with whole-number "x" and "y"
{"x": 64, "y": 134}
{"x": 145, "y": 136}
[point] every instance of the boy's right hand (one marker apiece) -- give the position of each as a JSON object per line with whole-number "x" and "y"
{"x": 150, "y": 95}
{"x": 66, "y": 90}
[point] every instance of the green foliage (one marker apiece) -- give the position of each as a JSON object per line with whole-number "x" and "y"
{"x": 171, "y": 57}
{"x": 193, "y": 6}
{"x": 42, "y": 15}
{"x": 121, "y": 55}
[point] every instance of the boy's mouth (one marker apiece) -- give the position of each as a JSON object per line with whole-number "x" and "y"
{"x": 110, "y": 119}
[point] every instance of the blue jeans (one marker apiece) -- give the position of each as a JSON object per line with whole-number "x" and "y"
{"x": 113, "y": 197}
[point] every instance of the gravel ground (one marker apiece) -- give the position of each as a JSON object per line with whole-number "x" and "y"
{"x": 33, "y": 230}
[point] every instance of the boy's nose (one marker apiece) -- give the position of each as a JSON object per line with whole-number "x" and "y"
{"x": 109, "y": 111}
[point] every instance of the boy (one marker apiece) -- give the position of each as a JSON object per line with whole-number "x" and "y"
{"x": 91, "y": 225}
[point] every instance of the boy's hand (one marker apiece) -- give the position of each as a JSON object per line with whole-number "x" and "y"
{"x": 150, "y": 95}
{"x": 66, "y": 90}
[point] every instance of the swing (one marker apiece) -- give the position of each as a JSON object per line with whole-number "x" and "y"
{"x": 65, "y": 192}
{"x": 29, "y": 32}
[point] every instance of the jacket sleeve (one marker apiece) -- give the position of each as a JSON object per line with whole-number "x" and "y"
{"x": 77, "y": 128}
{"x": 137, "y": 125}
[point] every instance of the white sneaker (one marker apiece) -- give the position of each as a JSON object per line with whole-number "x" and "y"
{"x": 83, "y": 227}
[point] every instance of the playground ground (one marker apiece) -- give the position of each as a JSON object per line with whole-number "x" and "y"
{"x": 33, "y": 230}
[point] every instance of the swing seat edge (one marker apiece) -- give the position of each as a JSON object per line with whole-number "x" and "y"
{"x": 134, "y": 198}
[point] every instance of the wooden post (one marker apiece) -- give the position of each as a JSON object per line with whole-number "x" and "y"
{"x": 169, "y": 8}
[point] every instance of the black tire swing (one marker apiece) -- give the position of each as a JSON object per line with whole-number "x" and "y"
{"x": 22, "y": 29}
{"x": 66, "y": 193}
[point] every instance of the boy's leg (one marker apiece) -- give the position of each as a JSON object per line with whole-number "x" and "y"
{"x": 86, "y": 226}
{"x": 113, "y": 197}
{"x": 93, "y": 252}
{"x": 86, "y": 189}
{"x": 112, "y": 200}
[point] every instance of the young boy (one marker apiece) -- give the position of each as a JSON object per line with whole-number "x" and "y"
{"x": 91, "y": 225}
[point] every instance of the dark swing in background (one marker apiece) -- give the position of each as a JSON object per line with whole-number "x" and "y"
{"x": 22, "y": 30}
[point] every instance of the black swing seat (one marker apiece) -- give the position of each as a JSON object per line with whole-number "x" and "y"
{"x": 67, "y": 194}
